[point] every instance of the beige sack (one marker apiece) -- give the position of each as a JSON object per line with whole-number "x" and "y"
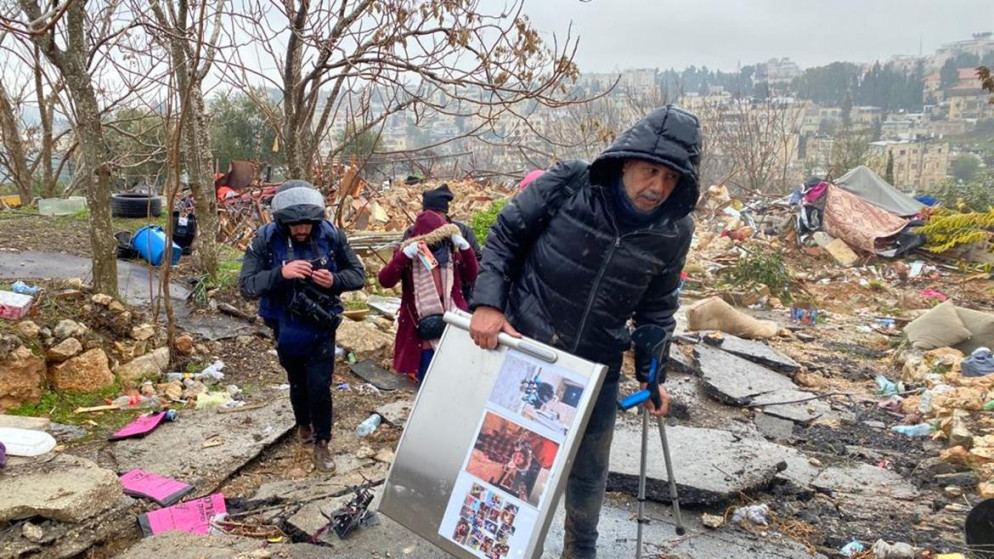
{"x": 715, "y": 314}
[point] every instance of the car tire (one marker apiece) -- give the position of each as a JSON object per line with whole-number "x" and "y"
{"x": 135, "y": 205}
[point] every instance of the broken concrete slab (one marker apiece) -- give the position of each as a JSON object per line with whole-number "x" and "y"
{"x": 381, "y": 378}
{"x": 395, "y": 413}
{"x": 618, "y": 530}
{"x": 183, "y": 450}
{"x": 181, "y": 545}
{"x": 62, "y": 540}
{"x": 287, "y": 491}
{"x": 736, "y": 381}
{"x": 731, "y": 465}
{"x": 865, "y": 480}
{"x": 759, "y": 353}
{"x": 312, "y": 518}
{"x": 66, "y": 488}
{"x": 801, "y": 412}
{"x": 25, "y": 422}
{"x": 774, "y": 428}
{"x": 387, "y": 306}
{"x": 681, "y": 362}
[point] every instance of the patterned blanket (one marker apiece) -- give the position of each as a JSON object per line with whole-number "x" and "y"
{"x": 857, "y": 222}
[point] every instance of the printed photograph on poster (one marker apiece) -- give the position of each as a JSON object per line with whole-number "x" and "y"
{"x": 538, "y": 393}
{"x": 512, "y": 458}
{"x": 489, "y": 524}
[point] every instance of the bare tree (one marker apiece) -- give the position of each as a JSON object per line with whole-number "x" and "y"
{"x": 182, "y": 29}
{"x": 755, "y": 142}
{"x": 448, "y": 57}
{"x": 70, "y": 43}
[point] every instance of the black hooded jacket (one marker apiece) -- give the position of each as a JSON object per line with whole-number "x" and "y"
{"x": 563, "y": 271}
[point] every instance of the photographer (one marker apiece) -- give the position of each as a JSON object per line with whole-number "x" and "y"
{"x": 298, "y": 266}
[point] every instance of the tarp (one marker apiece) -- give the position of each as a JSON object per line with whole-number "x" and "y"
{"x": 868, "y": 185}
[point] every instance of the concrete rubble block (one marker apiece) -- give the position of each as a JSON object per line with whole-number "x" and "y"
{"x": 147, "y": 366}
{"x": 867, "y": 481}
{"x": 66, "y": 349}
{"x": 83, "y": 373}
{"x": 734, "y": 380}
{"x": 22, "y": 378}
{"x": 68, "y": 329}
{"x": 681, "y": 362}
{"x": 395, "y": 413}
{"x": 25, "y": 422}
{"x": 180, "y": 452}
{"x": 66, "y": 488}
{"x": 774, "y": 428}
{"x": 143, "y": 332}
{"x": 801, "y": 412}
{"x": 838, "y": 248}
{"x": 759, "y": 353}
{"x": 312, "y": 519}
{"x": 289, "y": 491}
{"x": 366, "y": 341}
{"x": 730, "y": 465}
{"x": 65, "y": 540}
{"x": 27, "y": 329}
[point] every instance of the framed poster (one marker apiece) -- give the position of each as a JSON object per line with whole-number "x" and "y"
{"x": 489, "y": 443}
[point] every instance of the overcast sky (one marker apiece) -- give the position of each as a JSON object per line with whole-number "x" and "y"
{"x": 619, "y": 34}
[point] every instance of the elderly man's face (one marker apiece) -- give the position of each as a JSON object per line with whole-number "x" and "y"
{"x": 301, "y": 231}
{"x": 648, "y": 184}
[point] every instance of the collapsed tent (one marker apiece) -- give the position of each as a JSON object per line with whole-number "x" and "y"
{"x": 868, "y": 185}
{"x": 860, "y": 224}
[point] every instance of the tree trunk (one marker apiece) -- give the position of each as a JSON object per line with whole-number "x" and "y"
{"x": 10, "y": 130}
{"x": 200, "y": 170}
{"x": 46, "y": 110}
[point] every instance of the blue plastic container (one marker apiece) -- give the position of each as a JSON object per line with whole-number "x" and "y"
{"x": 150, "y": 242}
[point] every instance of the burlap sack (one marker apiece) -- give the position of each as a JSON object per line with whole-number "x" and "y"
{"x": 715, "y": 314}
{"x": 939, "y": 327}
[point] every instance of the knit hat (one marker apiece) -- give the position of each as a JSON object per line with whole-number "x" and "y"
{"x": 437, "y": 199}
{"x": 297, "y": 201}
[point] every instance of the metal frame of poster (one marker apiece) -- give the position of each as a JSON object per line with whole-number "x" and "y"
{"x": 488, "y": 444}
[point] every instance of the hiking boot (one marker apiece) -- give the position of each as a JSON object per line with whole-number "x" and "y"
{"x": 305, "y": 434}
{"x": 322, "y": 458}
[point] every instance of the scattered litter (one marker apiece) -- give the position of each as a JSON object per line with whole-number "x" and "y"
{"x": 14, "y": 306}
{"x": 979, "y": 363}
{"x": 900, "y": 550}
{"x": 712, "y": 520}
{"x": 368, "y": 425}
{"x": 353, "y": 514}
{"x": 852, "y": 549}
{"x": 343, "y": 386}
{"x": 754, "y": 514}
{"x": 134, "y": 401}
{"x": 232, "y": 404}
{"x": 916, "y": 268}
{"x": 280, "y": 387}
{"x": 919, "y": 430}
{"x": 25, "y": 289}
{"x": 212, "y": 400}
{"x": 162, "y": 490}
{"x": 933, "y": 294}
{"x": 25, "y": 442}
{"x": 193, "y": 517}
{"x": 804, "y": 316}
{"x": 893, "y": 403}
{"x": 886, "y": 386}
{"x": 367, "y": 388}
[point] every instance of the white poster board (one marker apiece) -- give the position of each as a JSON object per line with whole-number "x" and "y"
{"x": 489, "y": 444}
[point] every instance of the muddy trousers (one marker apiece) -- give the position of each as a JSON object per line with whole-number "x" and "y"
{"x": 588, "y": 478}
{"x": 310, "y": 387}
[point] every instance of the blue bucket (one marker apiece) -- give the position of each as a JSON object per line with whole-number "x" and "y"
{"x": 150, "y": 242}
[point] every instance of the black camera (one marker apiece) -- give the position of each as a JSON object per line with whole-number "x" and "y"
{"x": 308, "y": 303}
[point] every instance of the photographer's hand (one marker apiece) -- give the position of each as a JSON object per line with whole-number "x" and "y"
{"x": 297, "y": 269}
{"x": 323, "y": 278}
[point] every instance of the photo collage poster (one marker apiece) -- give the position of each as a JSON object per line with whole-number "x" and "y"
{"x": 505, "y": 477}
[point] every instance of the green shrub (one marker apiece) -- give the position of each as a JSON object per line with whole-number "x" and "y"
{"x": 483, "y": 221}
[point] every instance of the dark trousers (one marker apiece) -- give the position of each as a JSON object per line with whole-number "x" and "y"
{"x": 310, "y": 387}
{"x": 588, "y": 478}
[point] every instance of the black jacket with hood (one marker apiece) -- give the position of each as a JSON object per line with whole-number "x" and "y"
{"x": 566, "y": 274}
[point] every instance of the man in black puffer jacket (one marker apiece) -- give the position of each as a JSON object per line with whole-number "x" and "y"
{"x": 576, "y": 255}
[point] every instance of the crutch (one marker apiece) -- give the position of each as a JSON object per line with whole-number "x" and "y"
{"x": 652, "y": 339}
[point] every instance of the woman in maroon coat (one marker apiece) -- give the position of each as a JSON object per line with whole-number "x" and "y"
{"x": 427, "y": 292}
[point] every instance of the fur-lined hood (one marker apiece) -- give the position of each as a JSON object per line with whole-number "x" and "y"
{"x": 435, "y": 237}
